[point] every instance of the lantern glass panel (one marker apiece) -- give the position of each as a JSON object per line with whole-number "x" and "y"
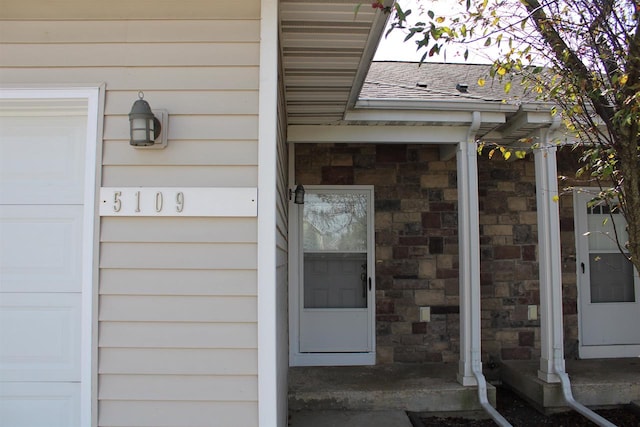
{"x": 139, "y": 130}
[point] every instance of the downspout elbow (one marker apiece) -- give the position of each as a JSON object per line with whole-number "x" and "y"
{"x": 568, "y": 395}
{"x": 482, "y": 393}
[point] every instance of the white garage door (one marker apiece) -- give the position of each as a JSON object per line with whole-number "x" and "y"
{"x": 43, "y": 144}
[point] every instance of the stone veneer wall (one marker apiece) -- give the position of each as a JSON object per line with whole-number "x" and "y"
{"x": 416, "y": 223}
{"x": 508, "y": 260}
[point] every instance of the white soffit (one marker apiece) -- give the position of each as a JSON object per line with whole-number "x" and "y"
{"x": 326, "y": 51}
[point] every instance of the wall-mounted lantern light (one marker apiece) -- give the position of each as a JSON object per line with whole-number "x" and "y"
{"x": 298, "y": 195}
{"x": 146, "y": 130}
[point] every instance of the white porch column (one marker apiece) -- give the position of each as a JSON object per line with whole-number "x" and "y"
{"x": 551, "y": 324}
{"x": 469, "y": 249}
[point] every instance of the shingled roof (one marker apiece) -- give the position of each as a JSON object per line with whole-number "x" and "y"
{"x": 438, "y": 82}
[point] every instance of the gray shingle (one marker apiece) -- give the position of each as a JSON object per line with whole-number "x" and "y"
{"x": 399, "y": 80}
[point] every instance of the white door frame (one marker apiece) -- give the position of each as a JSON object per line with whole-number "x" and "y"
{"x": 582, "y": 254}
{"x": 94, "y": 96}
{"x": 297, "y": 358}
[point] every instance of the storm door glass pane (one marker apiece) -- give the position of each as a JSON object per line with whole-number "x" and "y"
{"x": 611, "y": 278}
{"x": 611, "y": 274}
{"x": 335, "y": 250}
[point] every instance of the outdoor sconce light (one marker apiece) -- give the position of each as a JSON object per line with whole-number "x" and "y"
{"x": 298, "y": 195}
{"x": 145, "y": 128}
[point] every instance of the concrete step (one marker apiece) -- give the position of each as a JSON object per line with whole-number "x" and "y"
{"x": 349, "y": 418}
{"x": 411, "y": 387}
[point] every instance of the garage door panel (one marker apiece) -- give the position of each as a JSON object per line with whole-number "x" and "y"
{"x": 40, "y": 248}
{"x": 46, "y": 139}
{"x": 40, "y": 404}
{"x": 41, "y": 159}
{"x": 40, "y": 337}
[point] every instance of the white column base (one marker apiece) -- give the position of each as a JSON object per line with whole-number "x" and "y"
{"x": 547, "y": 371}
{"x": 465, "y": 374}
{"x": 548, "y": 377}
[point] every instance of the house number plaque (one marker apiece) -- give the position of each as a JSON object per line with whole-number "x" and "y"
{"x": 169, "y": 201}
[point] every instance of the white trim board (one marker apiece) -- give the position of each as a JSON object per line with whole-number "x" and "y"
{"x": 608, "y": 351}
{"x": 269, "y": 401}
{"x": 332, "y": 359}
{"x": 94, "y": 96}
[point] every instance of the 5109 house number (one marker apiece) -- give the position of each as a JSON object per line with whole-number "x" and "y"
{"x": 168, "y": 201}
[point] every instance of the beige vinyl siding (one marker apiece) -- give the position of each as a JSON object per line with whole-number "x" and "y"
{"x": 177, "y": 303}
{"x": 237, "y": 256}
{"x": 209, "y": 79}
{"x": 192, "y": 282}
{"x": 178, "y": 335}
{"x": 166, "y": 229}
{"x": 174, "y": 413}
{"x": 127, "y": 9}
{"x": 131, "y": 54}
{"x": 158, "y": 361}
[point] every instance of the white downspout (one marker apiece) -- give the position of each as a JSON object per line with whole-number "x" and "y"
{"x": 568, "y": 395}
{"x": 470, "y": 267}
{"x": 550, "y": 273}
{"x": 482, "y": 392}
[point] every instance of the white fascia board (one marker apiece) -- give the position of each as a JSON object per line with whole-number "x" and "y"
{"x": 525, "y": 117}
{"x": 377, "y": 27}
{"x": 377, "y": 134}
{"x": 537, "y": 106}
{"x": 444, "y": 117}
{"x": 437, "y": 105}
{"x": 539, "y": 117}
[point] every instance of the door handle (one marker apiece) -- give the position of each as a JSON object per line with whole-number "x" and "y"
{"x": 582, "y": 266}
{"x": 369, "y": 283}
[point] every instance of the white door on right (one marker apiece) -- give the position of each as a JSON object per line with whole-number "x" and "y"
{"x": 608, "y": 285}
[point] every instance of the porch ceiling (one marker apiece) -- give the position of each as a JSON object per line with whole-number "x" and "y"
{"x": 326, "y": 52}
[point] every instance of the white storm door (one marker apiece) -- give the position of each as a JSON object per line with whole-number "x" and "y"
{"x": 336, "y": 287}
{"x": 43, "y": 227}
{"x": 608, "y": 285}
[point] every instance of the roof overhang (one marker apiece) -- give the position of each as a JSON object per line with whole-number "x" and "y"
{"x": 327, "y": 48}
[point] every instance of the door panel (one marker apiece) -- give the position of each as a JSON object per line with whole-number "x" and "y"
{"x": 336, "y": 286}
{"x": 607, "y": 282}
{"x": 40, "y": 404}
{"x": 40, "y": 337}
{"x": 335, "y": 280}
{"x": 40, "y": 248}
{"x": 334, "y": 331}
{"x": 41, "y": 159}
{"x": 42, "y": 170}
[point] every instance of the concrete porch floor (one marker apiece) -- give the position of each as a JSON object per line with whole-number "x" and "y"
{"x": 400, "y": 387}
{"x": 387, "y": 390}
{"x": 594, "y": 383}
